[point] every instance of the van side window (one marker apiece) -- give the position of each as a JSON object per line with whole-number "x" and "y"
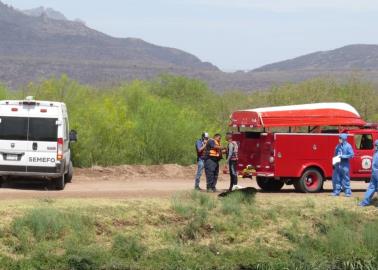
{"x": 364, "y": 141}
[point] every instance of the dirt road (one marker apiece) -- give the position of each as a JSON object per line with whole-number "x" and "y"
{"x": 133, "y": 182}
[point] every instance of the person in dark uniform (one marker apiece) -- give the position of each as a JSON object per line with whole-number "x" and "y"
{"x": 212, "y": 157}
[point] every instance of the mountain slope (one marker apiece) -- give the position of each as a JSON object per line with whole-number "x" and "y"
{"x": 352, "y": 57}
{"x": 45, "y": 38}
{"x": 38, "y": 47}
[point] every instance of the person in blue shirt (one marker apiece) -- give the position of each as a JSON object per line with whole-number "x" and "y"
{"x": 373, "y": 186}
{"x": 200, "y": 149}
{"x": 341, "y": 174}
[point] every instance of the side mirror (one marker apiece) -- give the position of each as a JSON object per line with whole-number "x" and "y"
{"x": 73, "y": 136}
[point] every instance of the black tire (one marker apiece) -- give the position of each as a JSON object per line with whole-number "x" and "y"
{"x": 311, "y": 181}
{"x": 68, "y": 176}
{"x": 269, "y": 184}
{"x": 60, "y": 183}
{"x": 3, "y": 179}
{"x": 297, "y": 186}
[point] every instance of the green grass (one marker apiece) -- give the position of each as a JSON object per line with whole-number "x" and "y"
{"x": 128, "y": 247}
{"x": 191, "y": 231}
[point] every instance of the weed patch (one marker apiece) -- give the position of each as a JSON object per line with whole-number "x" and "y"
{"x": 191, "y": 231}
{"x": 128, "y": 247}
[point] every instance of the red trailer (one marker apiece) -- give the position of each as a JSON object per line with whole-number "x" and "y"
{"x": 295, "y": 144}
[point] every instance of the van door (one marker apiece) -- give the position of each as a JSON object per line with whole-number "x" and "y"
{"x": 42, "y": 145}
{"x": 362, "y": 161}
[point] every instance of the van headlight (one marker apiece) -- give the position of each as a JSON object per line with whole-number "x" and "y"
{"x": 271, "y": 159}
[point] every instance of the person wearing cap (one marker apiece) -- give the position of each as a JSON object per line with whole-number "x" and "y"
{"x": 373, "y": 186}
{"x": 200, "y": 149}
{"x": 232, "y": 160}
{"x": 341, "y": 174}
{"x": 212, "y": 157}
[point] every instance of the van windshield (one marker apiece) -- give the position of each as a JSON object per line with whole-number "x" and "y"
{"x": 14, "y": 128}
{"x": 43, "y": 129}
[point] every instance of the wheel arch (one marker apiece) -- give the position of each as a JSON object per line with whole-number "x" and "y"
{"x": 312, "y": 166}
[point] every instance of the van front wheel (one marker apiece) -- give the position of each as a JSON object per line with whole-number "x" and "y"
{"x": 60, "y": 183}
{"x": 268, "y": 184}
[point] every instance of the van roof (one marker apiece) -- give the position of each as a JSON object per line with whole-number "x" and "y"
{"x": 43, "y": 103}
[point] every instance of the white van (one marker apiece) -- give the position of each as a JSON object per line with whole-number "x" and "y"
{"x": 35, "y": 140}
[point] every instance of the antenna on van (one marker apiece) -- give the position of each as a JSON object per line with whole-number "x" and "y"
{"x": 29, "y": 101}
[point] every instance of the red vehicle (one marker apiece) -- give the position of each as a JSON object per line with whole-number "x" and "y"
{"x": 296, "y": 144}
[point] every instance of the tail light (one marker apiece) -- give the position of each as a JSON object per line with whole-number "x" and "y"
{"x": 272, "y": 152}
{"x": 59, "y": 155}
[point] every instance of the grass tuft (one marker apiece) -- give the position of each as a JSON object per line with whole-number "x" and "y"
{"x": 128, "y": 247}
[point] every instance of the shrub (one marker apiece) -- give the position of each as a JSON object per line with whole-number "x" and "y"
{"x": 203, "y": 200}
{"x": 181, "y": 206}
{"x": 370, "y": 238}
{"x": 80, "y": 263}
{"x": 233, "y": 203}
{"x": 193, "y": 229}
{"x": 157, "y": 121}
{"x": 127, "y": 246}
{"x": 44, "y": 224}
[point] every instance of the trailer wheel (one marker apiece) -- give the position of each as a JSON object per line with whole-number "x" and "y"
{"x": 268, "y": 184}
{"x": 310, "y": 182}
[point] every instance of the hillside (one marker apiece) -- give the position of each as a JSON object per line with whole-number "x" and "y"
{"x": 352, "y": 57}
{"x": 37, "y": 47}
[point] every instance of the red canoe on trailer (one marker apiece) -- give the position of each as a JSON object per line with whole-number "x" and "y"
{"x": 320, "y": 114}
{"x": 297, "y": 155}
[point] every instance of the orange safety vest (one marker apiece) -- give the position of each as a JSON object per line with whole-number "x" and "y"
{"x": 215, "y": 153}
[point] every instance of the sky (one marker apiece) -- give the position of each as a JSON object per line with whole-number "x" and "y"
{"x": 232, "y": 34}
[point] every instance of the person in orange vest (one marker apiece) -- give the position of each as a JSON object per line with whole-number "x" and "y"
{"x": 213, "y": 155}
{"x": 232, "y": 154}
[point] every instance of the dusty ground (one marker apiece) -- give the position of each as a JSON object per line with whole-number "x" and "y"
{"x": 134, "y": 182}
